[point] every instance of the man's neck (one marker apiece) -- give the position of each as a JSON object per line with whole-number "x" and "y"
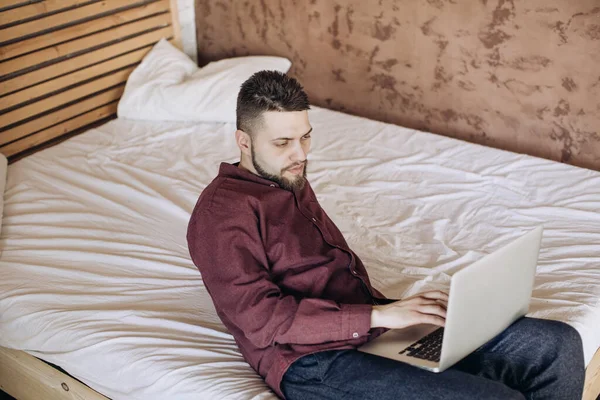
{"x": 247, "y": 166}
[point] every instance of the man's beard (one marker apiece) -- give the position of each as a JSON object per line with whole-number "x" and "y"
{"x": 284, "y": 183}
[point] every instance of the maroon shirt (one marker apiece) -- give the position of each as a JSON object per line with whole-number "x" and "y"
{"x": 281, "y": 276}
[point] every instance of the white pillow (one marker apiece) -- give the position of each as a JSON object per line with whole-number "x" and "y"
{"x": 168, "y": 86}
{"x": 3, "y": 167}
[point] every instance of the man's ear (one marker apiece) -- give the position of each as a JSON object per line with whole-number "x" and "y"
{"x": 243, "y": 141}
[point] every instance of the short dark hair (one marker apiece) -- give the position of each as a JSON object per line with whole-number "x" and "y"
{"x": 267, "y": 91}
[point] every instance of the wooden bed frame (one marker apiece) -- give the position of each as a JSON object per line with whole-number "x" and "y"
{"x": 64, "y": 63}
{"x": 63, "y": 68}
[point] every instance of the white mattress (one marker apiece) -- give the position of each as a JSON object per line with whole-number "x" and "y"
{"x": 95, "y": 274}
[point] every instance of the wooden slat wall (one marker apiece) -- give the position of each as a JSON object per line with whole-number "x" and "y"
{"x": 64, "y": 63}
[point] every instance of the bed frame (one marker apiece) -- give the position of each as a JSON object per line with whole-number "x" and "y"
{"x": 64, "y": 64}
{"x": 63, "y": 68}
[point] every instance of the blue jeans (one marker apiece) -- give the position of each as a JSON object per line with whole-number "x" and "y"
{"x": 531, "y": 359}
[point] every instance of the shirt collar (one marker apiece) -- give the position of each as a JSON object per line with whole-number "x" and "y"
{"x": 233, "y": 171}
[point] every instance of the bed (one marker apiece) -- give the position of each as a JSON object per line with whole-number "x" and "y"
{"x": 95, "y": 276}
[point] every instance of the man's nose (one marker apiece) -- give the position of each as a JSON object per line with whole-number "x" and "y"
{"x": 299, "y": 154}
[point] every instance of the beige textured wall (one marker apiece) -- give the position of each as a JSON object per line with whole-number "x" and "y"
{"x": 518, "y": 75}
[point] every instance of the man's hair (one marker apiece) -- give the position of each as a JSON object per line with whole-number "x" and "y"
{"x": 267, "y": 91}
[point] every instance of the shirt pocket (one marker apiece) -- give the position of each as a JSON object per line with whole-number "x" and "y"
{"x": 300, "y": 261}
{"x": 290, "y": 243}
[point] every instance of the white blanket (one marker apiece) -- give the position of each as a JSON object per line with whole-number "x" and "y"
{"x": 95, "y": 274}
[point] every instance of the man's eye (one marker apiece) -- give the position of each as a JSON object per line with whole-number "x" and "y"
{"x": 280, "y": 144}
{"x": 306, "y": 137}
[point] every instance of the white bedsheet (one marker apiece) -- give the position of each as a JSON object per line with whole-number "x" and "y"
{"x": 95, "y": 274}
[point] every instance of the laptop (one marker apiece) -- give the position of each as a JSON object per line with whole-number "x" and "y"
{"x": 484, "y": 299}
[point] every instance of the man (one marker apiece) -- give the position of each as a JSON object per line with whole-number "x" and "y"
{"x": 298, "y": 301}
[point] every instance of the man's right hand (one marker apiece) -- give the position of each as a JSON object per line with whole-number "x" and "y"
{"x": 424, "y": 308}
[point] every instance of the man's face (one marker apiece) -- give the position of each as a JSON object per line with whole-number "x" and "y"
{"x": 280, "y": 147}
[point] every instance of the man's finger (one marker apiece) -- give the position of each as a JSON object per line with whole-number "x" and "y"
{"x": 432, "y": 319}
{"x": 436, "y": 294}
{"x": 434, "y": 302}
{"x": 432, "y": 309}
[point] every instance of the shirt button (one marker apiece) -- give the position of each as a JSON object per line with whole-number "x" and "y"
{"x": 355, "y": 335}
{"x": 314, "y": 219}
{"x": 272, "y": 185}
{"x": 353, "y": 272}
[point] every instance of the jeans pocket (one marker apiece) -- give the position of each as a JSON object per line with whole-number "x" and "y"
{"x": 306, "y": 368}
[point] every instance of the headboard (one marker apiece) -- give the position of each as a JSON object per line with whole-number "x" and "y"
{"x": 516, "y": 75}
{"x": 64, "y": 64}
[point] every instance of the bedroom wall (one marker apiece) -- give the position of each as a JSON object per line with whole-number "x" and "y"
{"x": 521, "y": 76}
{"x": 187, "y": 22}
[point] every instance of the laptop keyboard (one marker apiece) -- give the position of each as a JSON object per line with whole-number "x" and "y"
{"x": 428, "y": 347}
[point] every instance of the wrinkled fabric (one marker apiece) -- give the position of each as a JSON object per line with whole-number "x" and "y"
{"x": 96, "y": 277}
{"x": 282, "y": 277}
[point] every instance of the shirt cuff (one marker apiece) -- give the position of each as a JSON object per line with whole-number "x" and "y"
{"x": 383, "y": 300}
{"x": 356, "y": 320}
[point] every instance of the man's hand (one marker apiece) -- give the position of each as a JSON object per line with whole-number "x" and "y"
{"x": 424, "y": 308}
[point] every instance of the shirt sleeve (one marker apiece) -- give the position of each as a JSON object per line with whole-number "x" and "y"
{"x": 226, "y": 247}
{"x": 380, "y": 298}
